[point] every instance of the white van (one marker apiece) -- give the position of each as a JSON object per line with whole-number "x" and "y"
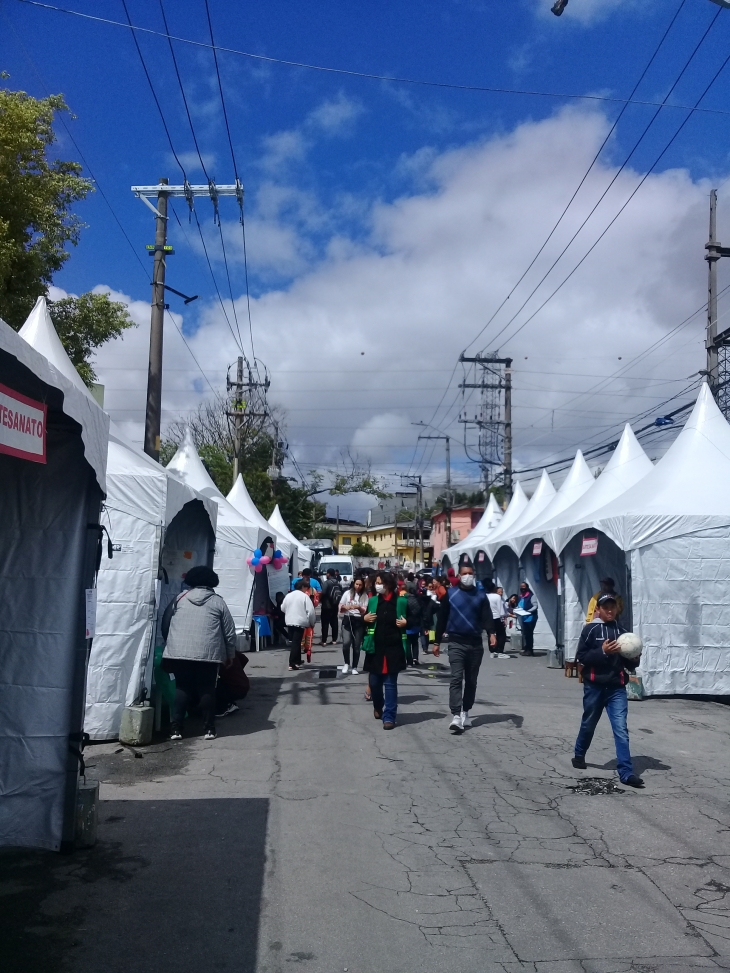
{"x": 337, "y": 562}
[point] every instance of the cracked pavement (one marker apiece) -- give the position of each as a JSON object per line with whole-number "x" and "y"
{"x": 415, "y": 851}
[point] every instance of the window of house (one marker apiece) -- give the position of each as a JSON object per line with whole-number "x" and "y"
{"x": 347, "y": 540}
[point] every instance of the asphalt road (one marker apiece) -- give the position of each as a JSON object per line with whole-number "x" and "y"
{"x": 307, "y": 838}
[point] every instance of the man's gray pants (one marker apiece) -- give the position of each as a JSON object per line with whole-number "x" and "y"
{"x": 465, "y": 661}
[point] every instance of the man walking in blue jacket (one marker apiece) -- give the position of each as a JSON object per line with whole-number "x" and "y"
{"x": 464, "y": 614}
{"x": 604, "y": 687}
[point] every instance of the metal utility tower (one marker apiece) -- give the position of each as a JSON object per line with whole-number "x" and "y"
{"x": 493, "y": 418}
{"x": 160, "y": 251}
{"x": 240, "y": 408}
{"x": 718, "y": 345}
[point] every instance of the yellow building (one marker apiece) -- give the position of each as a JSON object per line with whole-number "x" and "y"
{"x": 389, "y": 540}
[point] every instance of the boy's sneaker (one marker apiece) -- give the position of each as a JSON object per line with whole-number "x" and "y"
{"x": 176, "y": 735}
{"x": 465, "y": 720}
{"x": 579, "y": 763}
{"x": 209, "y": 735}
{"x": 457, "y": 724}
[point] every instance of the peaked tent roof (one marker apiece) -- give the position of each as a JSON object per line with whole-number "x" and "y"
{"x": 123, "y": 458}
{"x": 489, "y": 521}
{"x": 538, "y": 501}
{"x": 277, "y": 522}
{"x": 628, "y": 464}
{"x": 240, "y": 499}
{"x": 576, "y": 483}
{"x": 685, "y": 492}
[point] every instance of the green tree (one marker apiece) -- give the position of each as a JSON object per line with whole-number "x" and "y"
{"x": 36, "y": 196}
{"x": 83, "y": 323}
{"x": 37, "y": 222}
{"x": 363, "y": 549}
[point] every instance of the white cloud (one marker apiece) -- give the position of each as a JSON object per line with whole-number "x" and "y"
{"x": 362, "y": 343}
{"x": 334, "y": 115}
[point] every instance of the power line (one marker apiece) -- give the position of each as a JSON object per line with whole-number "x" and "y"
{"x": 102, "y": 194}
{"x": 606, "y": 191}
{"x": 585, "y": 176}
{"x": 362, "y": 74}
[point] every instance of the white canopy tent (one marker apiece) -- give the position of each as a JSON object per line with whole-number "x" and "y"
{"x": 488, "y": 523}
{"x": 539, "y": 563}
{"x": 240, "y": 498}
{"x": 155, "y": 522}
{"x": 501, "y": 551}
{"x": 675, "y": 521}
{"x": 304, "y": 553}
{"x": 235, "y": 538}
{"x": 564, "y": 533}
{"x": 48, "y": 547}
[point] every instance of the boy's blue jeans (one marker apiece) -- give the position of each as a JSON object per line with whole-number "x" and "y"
{"x": 613, "y": 700}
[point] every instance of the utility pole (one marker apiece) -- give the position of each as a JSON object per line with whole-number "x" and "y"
{"x": 449, "y": 503}
{"x": 238, "y": 420}
{"x": 718, "y": 360}
{"x": 153, "y": 413}
{"x": 337, "y": 529}
{"x": 160, "y": 251}
{"x": 488, "y": 421}
{"x": 417, "y": 481}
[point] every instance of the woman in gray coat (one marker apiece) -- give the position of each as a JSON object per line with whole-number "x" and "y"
{"x": 200, "y": 635}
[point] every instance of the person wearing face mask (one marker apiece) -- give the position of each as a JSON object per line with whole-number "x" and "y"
{"x": 385, "y": 654}
{"x": 464, "y": 615}
{"x": 528, "y": 618}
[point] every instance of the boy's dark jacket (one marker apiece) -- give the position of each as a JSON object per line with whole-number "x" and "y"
{"x": 600, "y": 669}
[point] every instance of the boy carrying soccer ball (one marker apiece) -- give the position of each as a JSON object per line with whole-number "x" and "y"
{"x": 604, "y": 687}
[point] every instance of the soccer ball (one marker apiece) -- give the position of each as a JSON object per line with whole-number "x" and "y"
{"x": 630, "y": 645}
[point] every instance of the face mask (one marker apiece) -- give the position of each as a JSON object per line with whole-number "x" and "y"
{"x": 379, "y": 589}
{"x": 468, "y": 580}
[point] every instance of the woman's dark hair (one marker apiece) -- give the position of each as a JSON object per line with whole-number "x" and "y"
{"x": 301, "y": 585}
{"x": 201, "y": 576}
{"x": 386, "y": 579}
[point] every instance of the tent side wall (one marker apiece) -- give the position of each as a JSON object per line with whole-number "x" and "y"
{"x": 125, "y": 619}
{"x": 682, "y": 613}
{"x": 232, "y": 547}
{"x": 46, "y": 562}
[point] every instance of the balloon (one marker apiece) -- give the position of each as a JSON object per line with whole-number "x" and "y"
{"x": 278, "y": 555}
{"x": 265, "y": 559}
{"x": 278, "y": 564}
{"x": 259, "y": 568}
{"x": 255, "y": 561}
{"x": 249, "y": 560}
{"x": 258, "y": 552}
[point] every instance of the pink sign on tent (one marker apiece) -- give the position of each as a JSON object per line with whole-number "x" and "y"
{"x": 589, "y": 546}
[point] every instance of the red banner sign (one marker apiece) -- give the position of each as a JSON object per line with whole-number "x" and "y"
{"x": 590, "y": 546}
{"x": 22, "y": 426}
{"x": 537, "y": 548}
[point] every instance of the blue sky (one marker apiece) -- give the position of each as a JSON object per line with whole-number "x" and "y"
{"x": 339, "y": 171}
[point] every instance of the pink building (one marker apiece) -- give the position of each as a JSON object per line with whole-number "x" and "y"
{"x": 463, "y": 520}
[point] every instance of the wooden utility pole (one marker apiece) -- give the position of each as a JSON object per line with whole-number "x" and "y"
{"x": 153, "y": 414}
{"x": 508, "y": 430}
{"x": 449, "y": 500}
{"x": 238, "y": 406}
{"x": 718, "y": 365}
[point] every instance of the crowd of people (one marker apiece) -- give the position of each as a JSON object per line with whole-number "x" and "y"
{"x": 390, "y": 619}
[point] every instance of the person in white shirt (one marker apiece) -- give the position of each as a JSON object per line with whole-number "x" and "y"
{"x": 298, "y": 614}
{"x": 497, "y": 604}
{"x": 353, "y": 605}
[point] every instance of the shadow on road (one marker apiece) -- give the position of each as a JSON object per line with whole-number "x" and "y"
{"x": 640, "y": 764}
{"x": 170, "y": 886}
{"x": 498, "y": 718}
{"x": 408, "y": 719}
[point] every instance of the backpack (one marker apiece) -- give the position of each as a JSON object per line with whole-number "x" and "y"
{"x": 334, "y": 594}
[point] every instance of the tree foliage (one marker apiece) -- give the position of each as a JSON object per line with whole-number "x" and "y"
{"x": 83, "y": 323}
{"x": 36, "y": 196}
{"x": 262, "y": 459}
{"x": 363, "y": 549}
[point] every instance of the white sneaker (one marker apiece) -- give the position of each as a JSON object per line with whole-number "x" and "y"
{"x": 457, "y": 723}
{"x": 344, "y": 670}
{"x": 354, "y": 672}
{"x": 494, "y": 655}
{"x": 502, "y": 655}
{"x": 465, "y": 720}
